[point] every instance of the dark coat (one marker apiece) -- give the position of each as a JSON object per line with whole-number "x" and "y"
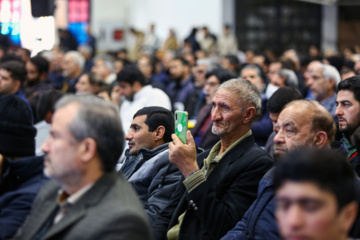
{"x": 209, "y": 139}
{"x": 217, "y": 204}
{"x": 20, "y": 182}
{"x": 110, "y": 209}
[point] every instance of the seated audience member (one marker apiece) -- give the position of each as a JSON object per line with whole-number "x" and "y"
{"x": 218, "y": 185}
{"x": 21, "y": 173}
{"x": 88, "y": 84}
{"x": 322, "y": 84}
{"x": 86, "y": 199}
{"x": 73, "y": 67}
{"x": 315, "y": 195}
{"x": 137, "y": 95}
{"x": 147, "y": 165}
{"x": 103, "y": 68}
{"x": 203, "y": 135}
{"x": 146, "y": 65}
{"x": 302, "y": 123}
{"x": 275, "y": 104}
{"x": 232, "y": 63}
{"x": 262, "y": 128}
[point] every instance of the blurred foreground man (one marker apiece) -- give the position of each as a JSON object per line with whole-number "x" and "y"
{"x": 87, "y": 199}
{"x": 315, "y": 196}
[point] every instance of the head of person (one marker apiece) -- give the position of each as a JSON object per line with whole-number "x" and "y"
{"x": 24, "y": 54}
{"x": 310, "y": 70}
{"x": 285, "y": 77}
{"x": 85, "y": 50}
{"x": 226, "y": 29}
{"x": 86, "y": 139}
{"x": 150, "y": 128}
{"x": 103, "y": 66}
{"x": 73, "y": 64}
{"x": 323, "y": 81}
{"x": 12, "y": 76}
{"x": 348, "y": 105}
{"x": 203, "y": 66}
{"x": 130, "y": 81}
{"x": 274, "y": 68}
{"x": 315, "y": 195}
{"x": 230, "y": 62}
{"x": 17, "y": 134}
{"x": 303, "y": 123}
{"x": 37, "y": 69}
{"x": 179, "y": 69}
{"x": 252, "y": 73}
{"x": 347, "y": 73}
{"x": 88, "y": 84}
{"x": 146, "y": 66}
{"x": 235, "y": 106}
{"x": 213, "y": 80}
{"x": 279, "y": 99}
{"x": 46, "y": 105}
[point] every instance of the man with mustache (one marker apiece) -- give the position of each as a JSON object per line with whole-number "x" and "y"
{"x": 348, "y": 111}
{"x": 302, "y": 123}
{"x": 147, "y": 165}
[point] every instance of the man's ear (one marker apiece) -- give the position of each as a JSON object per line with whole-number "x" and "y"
{"x": 17, "y": 85}
{"x": 249, "y": 114}
{"x": 347, "y": 216}
{"x": 159, "y": 133}
{"x": 332, "y": 83}
{"x": 320, "y": 139}
{"x": 88, "y": 149}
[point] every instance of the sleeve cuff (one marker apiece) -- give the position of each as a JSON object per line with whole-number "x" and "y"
{"x": 194, "y": 180}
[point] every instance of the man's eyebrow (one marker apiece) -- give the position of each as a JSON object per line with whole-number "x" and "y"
{"x": 290, "y": 124}
{"x": 134, "y": 125}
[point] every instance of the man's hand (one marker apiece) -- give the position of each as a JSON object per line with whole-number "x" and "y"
{"x": 183, "y": 156}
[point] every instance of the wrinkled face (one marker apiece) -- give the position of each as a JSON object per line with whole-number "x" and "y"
{"x": 32, "y": 73}
{"x": 293, "y": 130}
{"x": 69, "y": 67}
{"x": 177, "y": 70}
{"x": 100, "y": 70}
{"x": 252, "y": 76}
{"x": 62, "y": 160}
{"x": 226, "y": 113}
{"x": 347, "y": 112}
{"x": 319, "y": 87}
{"x": 7, "y": 84}
{"x": 126, "y": 90}
{"x": 212, "y": 83}
{"x": 305, "y": 211}
{"x": 83, "y": 86}
{"x": 139, "y": 135}
{"x": 200, "y": 75}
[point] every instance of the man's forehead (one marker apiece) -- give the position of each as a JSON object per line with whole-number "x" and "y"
{"x": 140, "y": 119}
{"x": 346, "y": 95}
{"x": 294, "y": 115}
{"x": 225, "y": 96}
{"x": 302, "y": 190}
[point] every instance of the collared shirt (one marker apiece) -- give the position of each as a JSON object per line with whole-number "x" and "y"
{"x": 330, "y": 104}
{"x": 65, "y": 200}
{"x": 351, "y": 149}
{"x": 194, "y": 180}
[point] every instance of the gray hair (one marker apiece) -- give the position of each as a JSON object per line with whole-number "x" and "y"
{"x": 99, "y": 120}
{"x": 247, "y": 93}
{"x": 330, "y": 72}
{"x": 210, "y": 64}
{"x": 291, "y": 79}
{"x": 253, "y": 66}
{"x": 77, "y": 58}
{"x": 86, "y": 48}
{"x": 108, "y": 61}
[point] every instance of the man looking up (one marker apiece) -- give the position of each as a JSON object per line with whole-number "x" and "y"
{"x": 315, "y": 206}
{"x": 147, "y": 164}
{"x": 87, "y": 199}
{"x": 216, "y": 192}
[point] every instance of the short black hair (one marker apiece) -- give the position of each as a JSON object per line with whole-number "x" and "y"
{"x": 351, "y": 84}
{"x": 42, "y": 65}
{"x": 47, "y": 103}
{"x": 131, "y": 74}
{"x": 221, "y": 74}
{"x": 326, "y": 168}
{"x": 281, "y": 97}
{"x": 16, "y": 68}
{"x": 182, "y": 60}
{"x": 158, "y": 116}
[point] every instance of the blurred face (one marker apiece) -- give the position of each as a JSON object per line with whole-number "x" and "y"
{"x": 139, "y": 135}
{"x": 199, "y": 74}
{"x": 69, "y": 68}
{"x": 293, "y": 130}
{"x": 32, "y": 73}
{"x": 126, "y": 90}
{"x": 62, "y": 160}
{"x": 273, "y": 69}
{"x": 252, "y": 76}
{"x": 310, "y": 70}
{"x": 118, "y": 66}
{"x": 144, "y": 67}
{"x": 177, "y": 70}
{"x": 212, "y": 83}
{"x": 83, "y": 86}
{"x": 347, "y": 112}
{"x": 319, "y": 87}
{"x": 278, "y": 81}
{"x": 305, "y": 211}
{"x": 100, "y": 70}
{"x": 226, "y": 113}
{"x": 7, "y": 84}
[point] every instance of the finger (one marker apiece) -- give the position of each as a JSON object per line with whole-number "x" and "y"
{"x": 189, "y": 138}
{"x": 176, "y": 139}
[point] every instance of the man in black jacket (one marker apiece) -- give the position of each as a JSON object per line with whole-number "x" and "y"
{"x": 147, "y": 165}
{"x": 218, "y": 185}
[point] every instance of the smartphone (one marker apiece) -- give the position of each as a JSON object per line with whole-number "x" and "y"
{"x": 181, "y": 125}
